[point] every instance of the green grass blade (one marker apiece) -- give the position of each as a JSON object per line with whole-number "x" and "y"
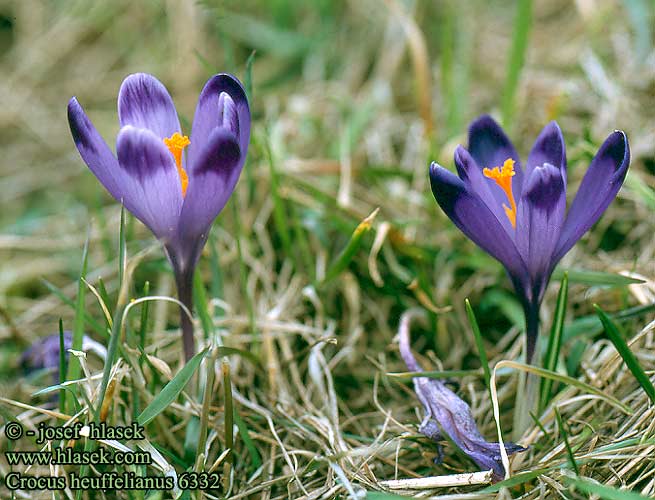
{"x": 247, "y": 83}
{"x": 264, "y": 36}
{"x": 480, "y": 344}
{"x": 244, "y": 432}
{"x": 112, "y": 349}
{"x": 62, "y": 367}
{"x": 565, "y": 438}
{"x": 143, "y": 324}
{"x": 594, "y": 278}
{"x": 522, "y": 22}
{"x": 447, "y": 48}
{"x": 104, "y": 296}
{"x": 383, "y": 495}
{"x": 554, "y": 341}
{"x": 229, "y": 410}
{"x": 590, "y": 326}
{"x": 122, "y": 251}
{"x": 515, "y": 480}
{"x": 247, "y": 80}
{"x": 200, "y": 301}
{"x": 228, "y": 351}
{"x": 348, "y": 253}
{"x": 625, "y": 352}
{"x": 206, "y": 403}
{"x": 90, "y": 321}
{"x": 171, "y": 390}
{"x": 280, "y": 216}
{"x": 641, "y": 18}
{"x": 604, "y": 492}
{"x": 565, "y": 380}
{"x": 243, "y": 274}
{"x": 215, "y": 267}
{"x": 635, "y": 182}
{"x": 300, "y": 237}
{"x": 78, "y": 323}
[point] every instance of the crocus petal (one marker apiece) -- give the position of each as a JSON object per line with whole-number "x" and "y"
{"x": 152, "y": 192}
{"x": 540, "y": 216}
{"x": 144, "y": 102}
{"x": 444, "y": 410}
{"x": 471, "y": 173}
{"x": 222, "y": 103}
{"x": 599, "y": 186}
{"x": 44, "y": 353}
{"x": 548, "y": 148}
{"x": 216, "y": 170}
{"x": 490, "y": 147}
{"x": 94, "y": 150}
{"x": 474, "y": 218}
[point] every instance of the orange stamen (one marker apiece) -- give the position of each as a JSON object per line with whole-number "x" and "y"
{"x": 503, "y": 177}
{"x": 176, "y": 144}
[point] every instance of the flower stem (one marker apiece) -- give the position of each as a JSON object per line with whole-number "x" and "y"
{"x": 184, "y": 281}
{"x": 528, "y": 386}
{"x": 526, "y": 403}
{"x": 531, "y": 330}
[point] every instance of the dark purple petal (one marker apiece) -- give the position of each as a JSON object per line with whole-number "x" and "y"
{"x": 548, "y": 148}
{"x": 601, "y": 182}
{"x": 490, "y": 147}
{"x": 540, "y": 217}
{"x": 153, "y": 192}
{"x": 474, "y": 218}
{"x": 44, "y": 353}
{"x": 94, "y": 150}
{"x": 222, "y": 103}
{"x": 144, "y": 102}
{"x": 216, "y": 171}
{"x": 470, "y": 172}
{"x": 445, "y": 411}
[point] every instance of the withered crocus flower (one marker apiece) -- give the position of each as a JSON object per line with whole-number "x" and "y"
{"x": 43, "y": 354}
{"x": 446, "y": 412}
{"x": 518, "y": 215}
{"x": 175, "y": 193}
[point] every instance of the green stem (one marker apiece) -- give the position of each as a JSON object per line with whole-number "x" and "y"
{"x": 184, "y": 281}
{"x": 531, "y": 330}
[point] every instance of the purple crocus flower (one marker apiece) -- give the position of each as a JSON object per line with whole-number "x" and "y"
{"x": 519, "y": 216}
{"x": 43, "y": 354}
{"x": 447, "y": 412}
{"x": 176, "y": 194}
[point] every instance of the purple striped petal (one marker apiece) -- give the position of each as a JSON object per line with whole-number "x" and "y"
{"x": 144, "y": 102}
{"x": 548, "y": 148}
{"x": 222, "y": 103}
{"x": 474, "y": 218}
{"x": 216, "y": 172}
{"x": 153, "y": 192}
{"x": 94, "y": 150}
{"x": 599, "y": 187}
{"x": 490, "y": 147}
{"x": 540, "y": 216}
{"x": 471, "y": 173}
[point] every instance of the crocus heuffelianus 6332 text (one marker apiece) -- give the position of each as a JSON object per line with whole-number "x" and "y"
{"x": 176, "y": 185}
{"x": 518, "y": 215}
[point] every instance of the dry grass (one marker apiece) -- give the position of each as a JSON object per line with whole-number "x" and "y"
{"x": 339, "y": 97}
